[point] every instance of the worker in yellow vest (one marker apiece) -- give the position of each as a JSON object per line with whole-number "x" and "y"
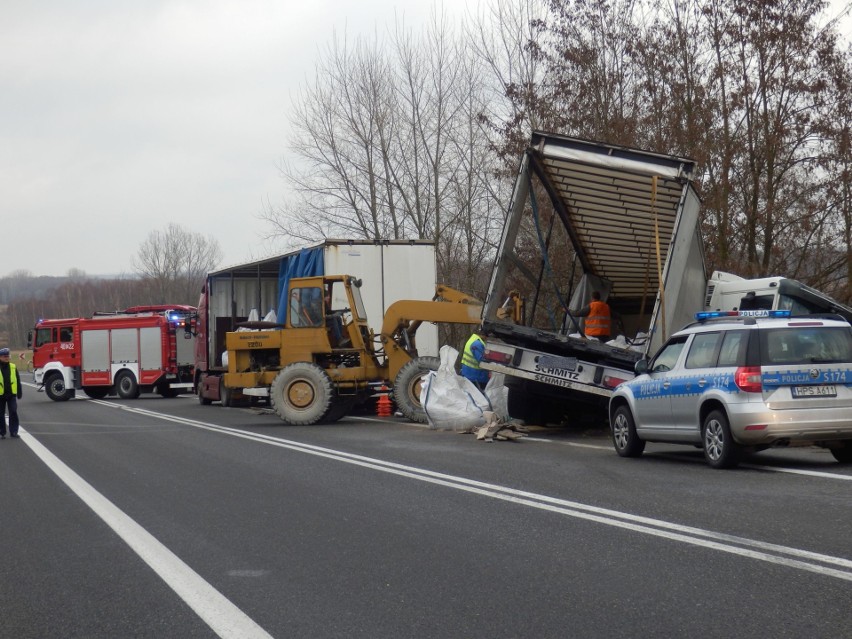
{"x": 598, "y": 320}
{"x": 474, "y": 349}
{"x": 10, "y": 393}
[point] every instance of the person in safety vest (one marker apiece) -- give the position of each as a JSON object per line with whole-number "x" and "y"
{"x": 10, "y": 393}
{"x": 598, "y": 320}
{"x": 474, "y": 349}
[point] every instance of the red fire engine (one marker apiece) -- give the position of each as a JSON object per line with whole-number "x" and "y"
{"x": 143, "y": 348}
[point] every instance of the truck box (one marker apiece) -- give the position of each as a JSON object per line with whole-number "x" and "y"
{"x": 246, "y": 294}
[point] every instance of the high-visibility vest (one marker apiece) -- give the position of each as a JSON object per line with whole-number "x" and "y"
{"x": 467, "y": 357}
{"x": 598, "y": 320}
{"x": 13, "y": 377}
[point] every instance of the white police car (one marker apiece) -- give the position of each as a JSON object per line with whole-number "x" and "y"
{"x": 742, "y": 382}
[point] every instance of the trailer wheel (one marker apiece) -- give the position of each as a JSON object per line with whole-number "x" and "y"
{"x": 96, "y": 392}
{"x": 301, "y": 393}
{"x": 126, "y": 385}
{"x": 524, "y": 407}
{"x": 225, "y": 394}
{"x": 56, "y": 389}
{"x": 199, "y": 388}
{"x": 407, "y": 385}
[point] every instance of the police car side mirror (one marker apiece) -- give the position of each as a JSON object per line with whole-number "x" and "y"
{"x": 641, "y": 367}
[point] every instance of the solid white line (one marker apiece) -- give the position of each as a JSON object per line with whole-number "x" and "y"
{"x": 796, "y": 471}
{"x": 223, "y": 617}
{"x": 686, "y": 534}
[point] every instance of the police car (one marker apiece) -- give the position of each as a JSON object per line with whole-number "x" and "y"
{"x": 742, "y": 382}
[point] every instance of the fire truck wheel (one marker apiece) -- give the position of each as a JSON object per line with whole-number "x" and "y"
{"x": 165, "y": 390}
{"x": 56, "y": 389}
{"x": 96, "y": 392}
{"x": 406, "y": 387}
{"x": 126, "y": 385}
{"x": 301, "y": 393}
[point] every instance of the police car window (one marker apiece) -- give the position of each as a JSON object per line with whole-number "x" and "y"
{"x": 733, "y": 348}
{"x": 668, "y": 355}
{"x": 813, "y": 345}
{"x": 702, "y": 351}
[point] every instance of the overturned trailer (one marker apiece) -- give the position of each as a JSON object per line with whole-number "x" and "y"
{"x": 590, "y": 217}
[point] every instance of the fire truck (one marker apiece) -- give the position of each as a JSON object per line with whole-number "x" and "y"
{"x": 124, "y": 353}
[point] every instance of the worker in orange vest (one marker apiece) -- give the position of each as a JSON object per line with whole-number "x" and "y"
{"x": 598, "y": 321}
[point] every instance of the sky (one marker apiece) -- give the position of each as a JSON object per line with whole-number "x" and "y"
{"x": 119, "y": 117}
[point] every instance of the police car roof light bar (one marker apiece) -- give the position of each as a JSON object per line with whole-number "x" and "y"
{"x": 705, "y": 315}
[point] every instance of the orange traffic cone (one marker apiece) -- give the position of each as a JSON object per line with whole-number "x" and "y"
{"x": 384, "y": 407}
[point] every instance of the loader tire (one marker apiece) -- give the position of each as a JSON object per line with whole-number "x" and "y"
{"x": 406, "y": 387}
{"x": 301, "y": 394}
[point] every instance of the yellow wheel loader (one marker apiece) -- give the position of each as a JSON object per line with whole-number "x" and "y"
{"x": 324, "y": 358}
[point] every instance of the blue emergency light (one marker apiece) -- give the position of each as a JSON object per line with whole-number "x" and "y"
{"x": 705, "y": 315}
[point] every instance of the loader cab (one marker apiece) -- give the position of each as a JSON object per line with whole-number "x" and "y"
{"x": 333, "y": 303}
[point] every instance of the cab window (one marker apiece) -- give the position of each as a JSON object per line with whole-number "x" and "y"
{"x": 702, "y": 351}
{"x": 668, "y": 355}
{"x": 66, "y": 334}
{"x": 306, "y": 307}
{"x": 45, "y": 336}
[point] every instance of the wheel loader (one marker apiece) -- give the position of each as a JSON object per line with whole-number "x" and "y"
{"x": 323, "y": 358}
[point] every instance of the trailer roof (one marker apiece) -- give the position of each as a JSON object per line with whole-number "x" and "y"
{"x": 609, "y": 204}
{"x": 268, "y": 267}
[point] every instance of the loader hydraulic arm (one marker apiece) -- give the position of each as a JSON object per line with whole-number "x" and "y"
{"x": 402, "y": 319}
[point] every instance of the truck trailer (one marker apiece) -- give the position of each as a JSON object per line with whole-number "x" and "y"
{"x": 144, "y": 348}
{"x": 589, "y": 217}
{"x": 253, "y": 296}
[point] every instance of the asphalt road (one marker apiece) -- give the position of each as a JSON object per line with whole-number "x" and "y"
{"x": 163, "y": 518}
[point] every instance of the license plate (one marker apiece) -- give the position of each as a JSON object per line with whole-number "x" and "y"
{"x": 814, "y": 391}
{"x": 555, "y": 361}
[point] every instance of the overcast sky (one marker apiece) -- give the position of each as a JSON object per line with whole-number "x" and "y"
{"x": 118, "y": 117}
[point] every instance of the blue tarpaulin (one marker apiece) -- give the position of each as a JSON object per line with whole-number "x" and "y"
{"x": 306, "y": 263}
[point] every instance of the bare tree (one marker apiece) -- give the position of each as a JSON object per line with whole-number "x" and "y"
{"x": 174, "y": 263}
{"x": 390, "y": 147}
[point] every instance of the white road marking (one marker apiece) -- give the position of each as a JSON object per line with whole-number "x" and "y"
{"x": 827, "y": 565}
{"x": 223, "y": 617}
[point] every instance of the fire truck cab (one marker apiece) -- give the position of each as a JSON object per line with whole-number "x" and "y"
{"x": 125, "y": 353}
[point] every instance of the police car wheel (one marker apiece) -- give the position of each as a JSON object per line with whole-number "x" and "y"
{"x": 720, "y": 449}
{"x": 624, "y": 437}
